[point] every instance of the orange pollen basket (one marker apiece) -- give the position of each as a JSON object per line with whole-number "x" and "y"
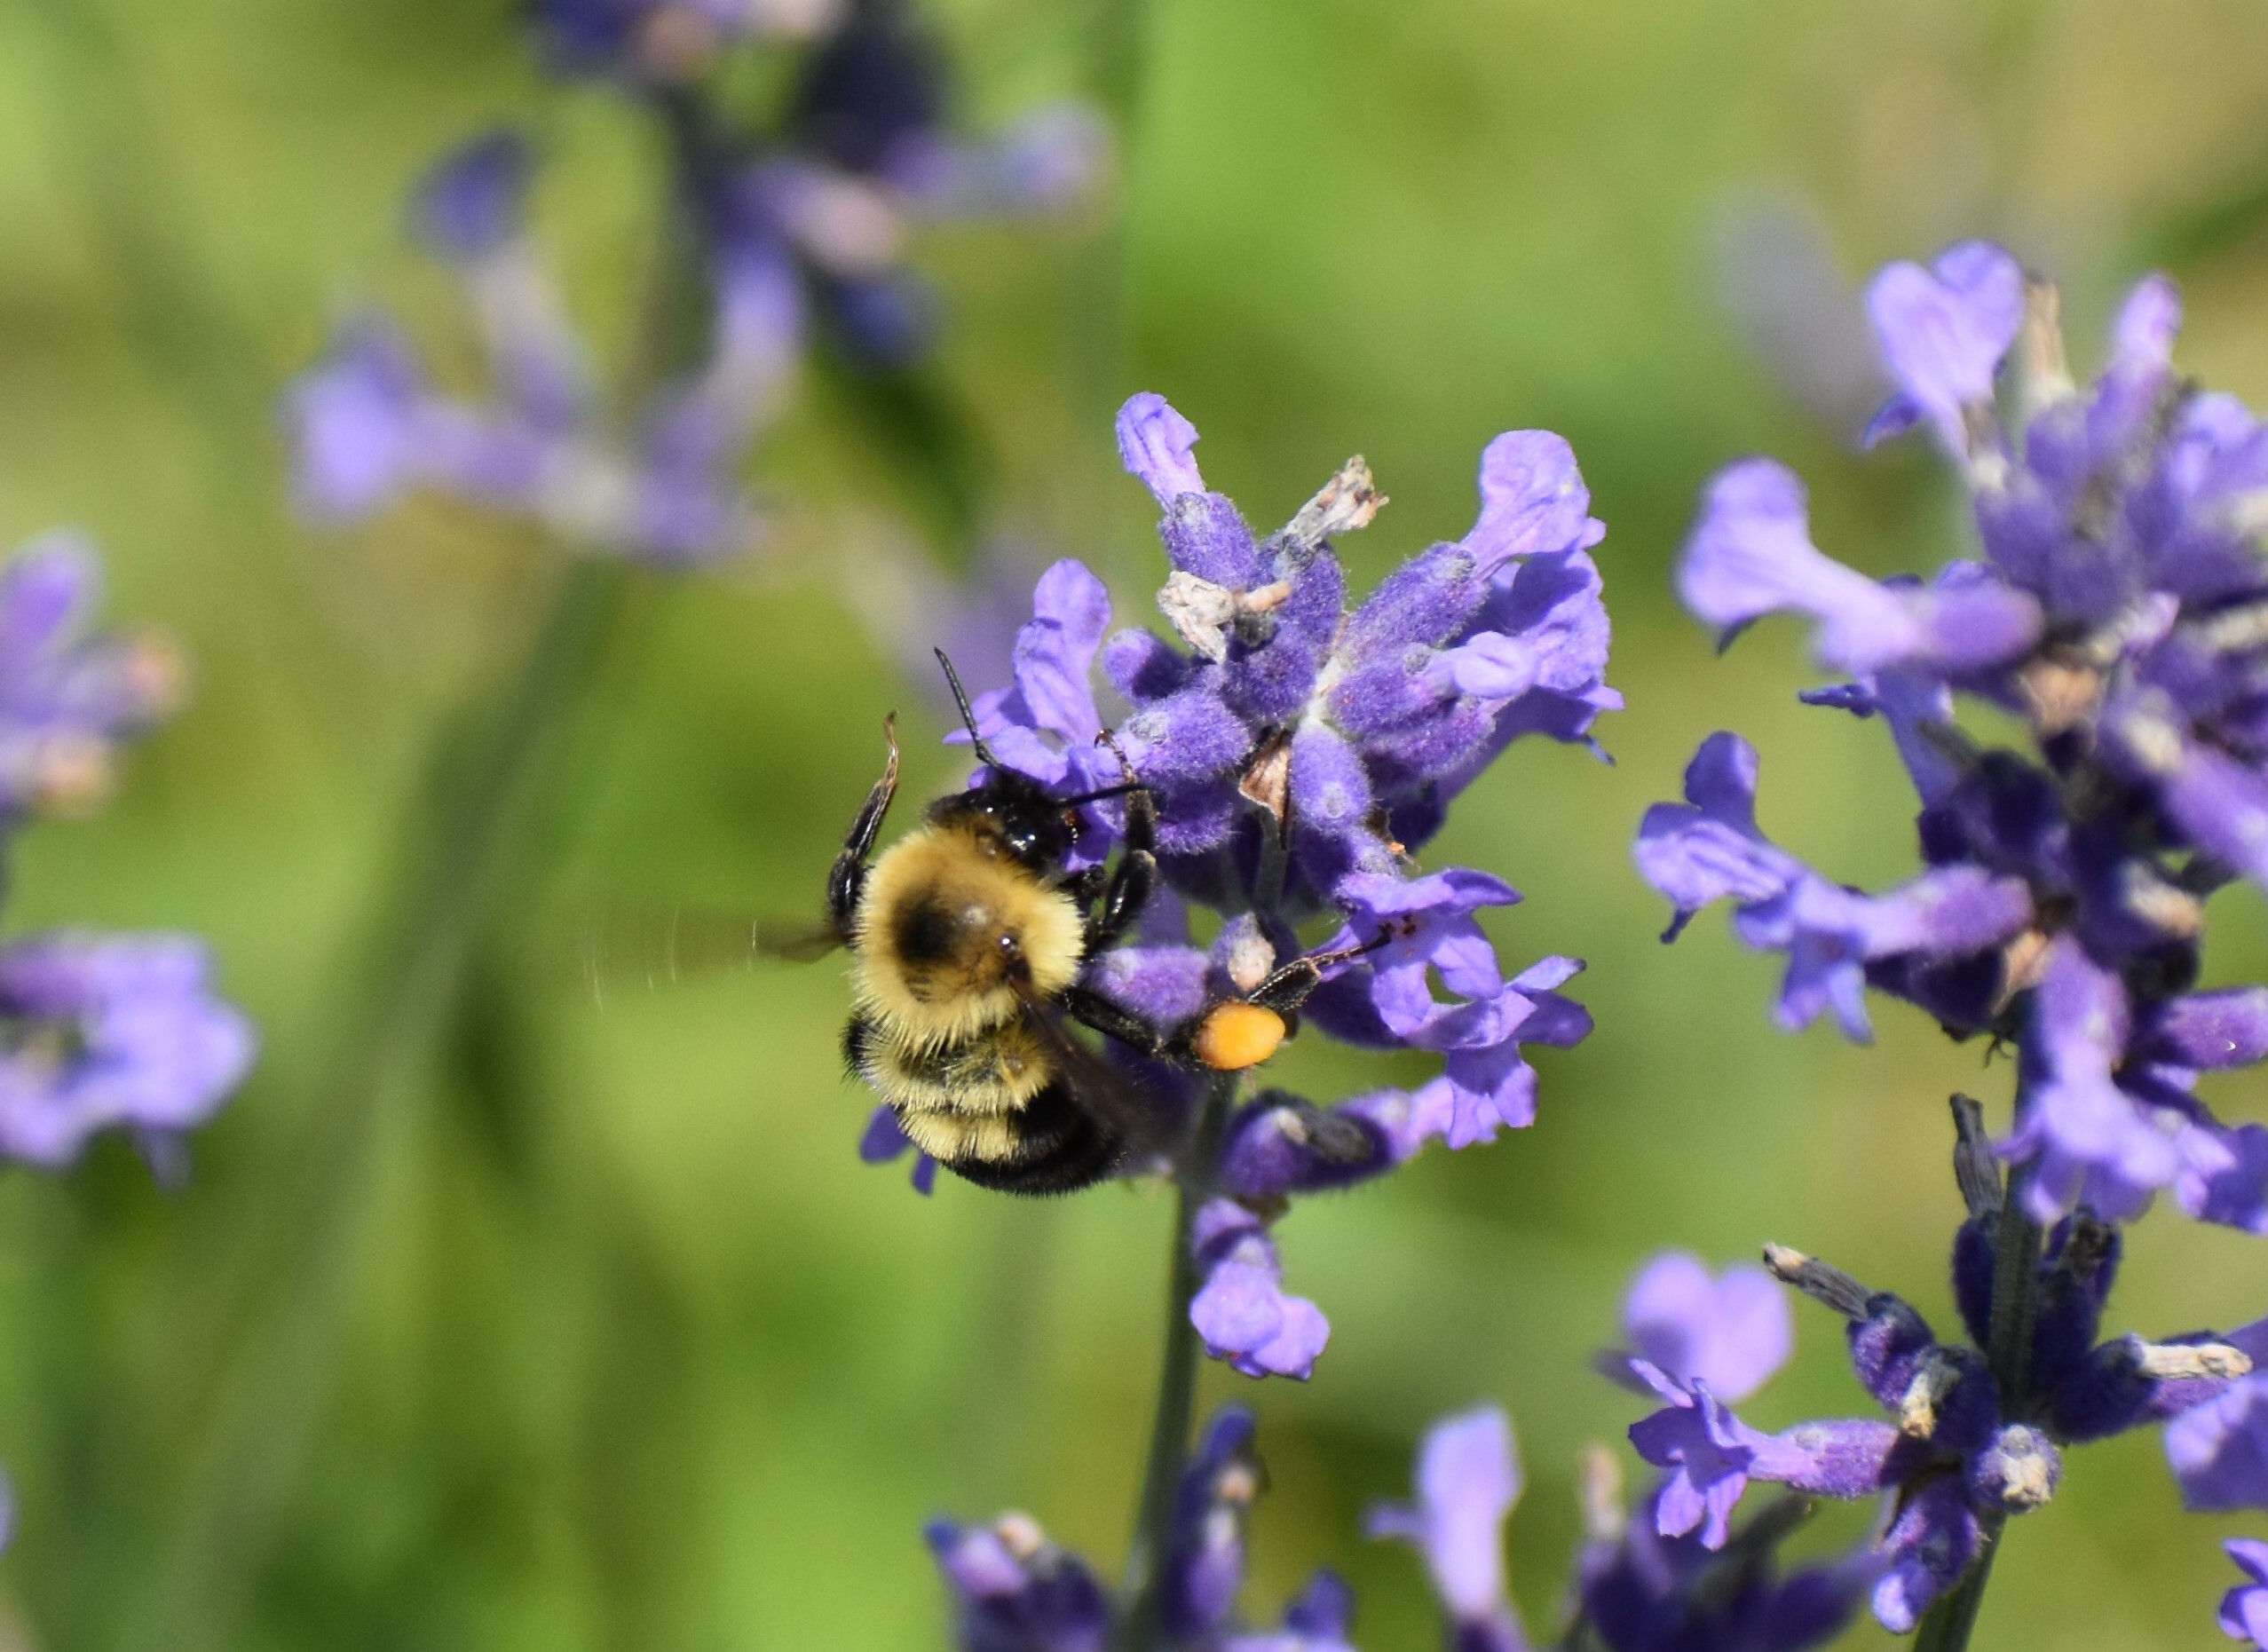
{"x": 1236, "y": 1036}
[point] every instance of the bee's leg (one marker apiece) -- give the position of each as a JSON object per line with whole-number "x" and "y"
{"x": 848, "y": 874}
{"x": 1137, "y": 871}
{"x": 1288, "y": 988}
{"x": 1113, "y": 1020}
{"x": 1087, "y": 886}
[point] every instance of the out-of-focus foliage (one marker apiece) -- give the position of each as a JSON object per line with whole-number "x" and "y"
{"x": 637, "y": 1353}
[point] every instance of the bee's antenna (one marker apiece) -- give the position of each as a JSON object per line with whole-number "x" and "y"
{"x": 968, "y": 716}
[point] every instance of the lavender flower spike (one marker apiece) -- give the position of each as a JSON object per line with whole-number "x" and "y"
{"x": 1468, "y": 1479}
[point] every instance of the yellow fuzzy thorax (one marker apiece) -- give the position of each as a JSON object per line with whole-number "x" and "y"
{"x": 964, "y": 876}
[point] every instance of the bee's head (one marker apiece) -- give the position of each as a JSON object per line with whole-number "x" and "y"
{"x": 1035, "y": 829}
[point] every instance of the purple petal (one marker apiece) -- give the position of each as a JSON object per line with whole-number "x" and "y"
{"x": 473, "y": 203}
{"x": 2218, "y": 1450}
{"x": 1732, "y": 1333}
{"x": 1532, "y": 500}
{"x": 1929, "y": 1547}
{"x": 2210, "y": 1030}
{"x": 1468, "y": 1480}
{"x": 1750, "y": 554}
{"x": 1158, "y": 445}
{"x": 1944, "y": 331}
{"x": 1054, "y": 654}
{"x": 2090, "y": 1139}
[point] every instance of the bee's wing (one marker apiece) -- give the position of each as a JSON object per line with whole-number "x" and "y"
{"x": 1109, "y": 1095}
{"x": 661, "y": 948}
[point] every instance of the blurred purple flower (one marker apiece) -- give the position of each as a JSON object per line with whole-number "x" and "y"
{"x": 1730, "y": 1330}
{"x": 1015, "y": 1591}
{"x": 2244, "y": 1609}
{"x": 70, "y": 696}
{"x": 659, "y": 484}
{"x": 110, "y": 1031}
{"x": 1468, "y": 1480}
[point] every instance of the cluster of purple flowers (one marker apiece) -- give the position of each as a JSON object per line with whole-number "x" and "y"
{"x": 1014, "y": 1591}
{"x": 2121, "y": 613}
{"x": 806, "y": 217}
{"x": 1634, "y": 1589}
{"x": 1299, "y": 752}
{"x": 2119, "y": 616}
{"x": 97, "y": 1031}
{"x": 1964, "y": 1446}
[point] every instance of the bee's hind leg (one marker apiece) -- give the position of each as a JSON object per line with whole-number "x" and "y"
{"x": 1113, "y": 1020}
{"x": 848, "y": 876}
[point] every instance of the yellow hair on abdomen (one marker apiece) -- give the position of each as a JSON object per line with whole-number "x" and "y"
{"x": 957, "y": 1138}
{"x": 997, "y": 1070}
{"x": 936, "y": 1006}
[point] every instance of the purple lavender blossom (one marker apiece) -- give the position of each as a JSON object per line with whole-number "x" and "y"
{"x": 110, "y": 1031}
{"x": 1295, "y": 751}
{"x": 2116, "y": 611}
{"x": 70, "y": 696}
{"x": 2244, "y": 1609}
{"x": 1468, "y": 1480}
{"x": 665, "y": 40}
{"x": 1961, "y": 1453}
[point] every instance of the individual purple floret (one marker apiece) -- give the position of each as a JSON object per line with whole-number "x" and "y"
{"x": 1468, "y": 1480}
{"x": 2119, "y": 613}
{"x": 1963, "y": 1450}
{"x": 1242, "y": 1310}
{"x": 1731, "y": 1330}
{"x": 2244, "y": 1609}
{"x": 110, "y": 1031}
{"x": 70, "y": 696}
{"x": 885, "y": 1143}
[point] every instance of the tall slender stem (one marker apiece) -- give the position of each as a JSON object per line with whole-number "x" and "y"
{"x": 476, "y": 799}
{"x": 2015, "y": 1300}
{"x": 1169, "y": 1430}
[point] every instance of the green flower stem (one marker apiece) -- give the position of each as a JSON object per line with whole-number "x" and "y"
{"x": 1139, "y": 1629}
{"x": 2016, "y": 1272}
{"x": 489, "y": 786}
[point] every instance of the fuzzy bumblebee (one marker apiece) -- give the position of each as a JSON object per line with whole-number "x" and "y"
{"x": 968, "y": 937}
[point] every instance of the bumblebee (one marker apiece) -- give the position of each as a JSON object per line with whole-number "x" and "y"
{"x": 967, "y": 936}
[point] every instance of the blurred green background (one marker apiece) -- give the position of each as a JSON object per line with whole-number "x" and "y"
{"x": 633, "y": 1352}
